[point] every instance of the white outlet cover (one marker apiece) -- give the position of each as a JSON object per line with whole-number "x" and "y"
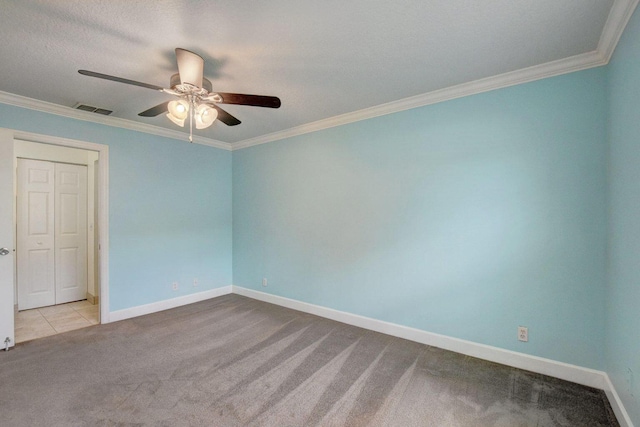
{"x": 174, "y": 286}
{"x": 264, "y": 282}
{"x": 523, "y": 333}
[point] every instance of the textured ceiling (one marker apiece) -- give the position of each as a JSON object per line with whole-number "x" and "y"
{"x": 322, "y": 58}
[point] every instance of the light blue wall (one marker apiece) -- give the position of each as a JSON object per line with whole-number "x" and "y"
{"x": 170, "y": 208}
{"x": 465, "y": 218}
{"x": 623, "y": 321}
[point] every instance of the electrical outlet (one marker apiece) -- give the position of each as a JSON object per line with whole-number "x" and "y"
{"x": 175, "y": 286}
{"x": 523, "y": 333}
{"x": 630, "y": 381}
{"x": 195, "y": 282}
{"x": 264, "y": 281}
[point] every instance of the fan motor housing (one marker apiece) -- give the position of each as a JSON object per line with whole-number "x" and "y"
{"x": 175, "y": 81}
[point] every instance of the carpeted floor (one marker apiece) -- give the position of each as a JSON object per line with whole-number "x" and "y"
{"x": 233, "y": 361}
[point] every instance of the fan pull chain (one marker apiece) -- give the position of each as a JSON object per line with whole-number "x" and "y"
{"x": 191, "y": 120}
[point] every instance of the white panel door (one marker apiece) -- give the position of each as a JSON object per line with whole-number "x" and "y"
{"x": 36, "y": 236}
{"x": 6, "y": 237}
{"x": 71, "y": 232}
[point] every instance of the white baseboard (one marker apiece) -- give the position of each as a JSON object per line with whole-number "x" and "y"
{"x": 93, "y": 299}
{"x": 616, "y": 403}
{"x": 565, "y": 371}
{"x": 154, "y": 307}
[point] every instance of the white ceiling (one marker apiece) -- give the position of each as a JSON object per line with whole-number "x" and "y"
{"x": 322, "y": 58}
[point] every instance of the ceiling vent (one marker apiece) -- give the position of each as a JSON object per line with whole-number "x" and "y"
{"x": 91, "y": 109}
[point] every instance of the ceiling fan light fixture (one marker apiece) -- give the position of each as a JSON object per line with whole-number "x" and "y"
{"x": 196, "y": 100}
{"x": 205, "y": 116}
{"x": 176, "y": 121}
{"x": 178, "y": 111}
{"x": 190, "y": 67}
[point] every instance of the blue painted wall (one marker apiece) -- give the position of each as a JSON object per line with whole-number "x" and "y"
{"x": 170, "y": 208}
{"x": 623, "y": 321}
{"x": 465, "y": 218}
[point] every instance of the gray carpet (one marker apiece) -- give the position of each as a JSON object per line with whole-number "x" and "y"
{"x": 233, "y": 361}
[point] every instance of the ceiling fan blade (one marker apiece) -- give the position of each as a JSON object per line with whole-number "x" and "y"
{"x": 155, "y": 111}
{"x": 225, "y": 117}
{"x": 254, "y": 100}
{"x": 190, "y": 67}
{"x": 119, "y": 79}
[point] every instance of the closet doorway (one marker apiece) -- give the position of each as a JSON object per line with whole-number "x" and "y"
{"x": 57, "y": 282}
{"x": 52, "y": 233}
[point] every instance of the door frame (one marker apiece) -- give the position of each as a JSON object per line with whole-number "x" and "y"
{"x": 102, "y": 186}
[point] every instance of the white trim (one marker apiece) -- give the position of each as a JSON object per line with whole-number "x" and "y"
{"x": 616, "y": 403}
{"x": 619, "y": 16}
{"x": 8, "y": 231}
{"x": 60, "y": 110}
{"x": 55, "y": 140}
{"x": 103, "y": 204}
{"x": 525, "y": 75}
{"x": 565, "y": 371}
{"x": 167, "y": 304}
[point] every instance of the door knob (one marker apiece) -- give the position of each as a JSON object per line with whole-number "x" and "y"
{"x": 4, "y": 251}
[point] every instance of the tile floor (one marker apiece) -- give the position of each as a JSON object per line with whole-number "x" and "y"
{"x": 45, "y": 321}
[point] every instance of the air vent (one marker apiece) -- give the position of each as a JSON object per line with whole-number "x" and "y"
{"x": 91, "y": 109}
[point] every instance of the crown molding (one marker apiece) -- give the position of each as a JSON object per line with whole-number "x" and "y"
{"x": 537, "y": 72}
{"x": 60, "y": 110}
{"x": 619, "y": 16}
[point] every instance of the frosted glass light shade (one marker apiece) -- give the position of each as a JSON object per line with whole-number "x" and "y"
{"x": 205, "y": 116}
{"x": 178, "y": 111}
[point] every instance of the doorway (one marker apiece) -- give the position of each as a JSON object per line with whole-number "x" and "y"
{"x": 57, "y": 281}
{"x": 52, "y": 233}
{"x": 8, "y": 225}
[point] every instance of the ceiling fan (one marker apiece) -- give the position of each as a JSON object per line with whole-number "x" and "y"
{"x": 196, "y": 99}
